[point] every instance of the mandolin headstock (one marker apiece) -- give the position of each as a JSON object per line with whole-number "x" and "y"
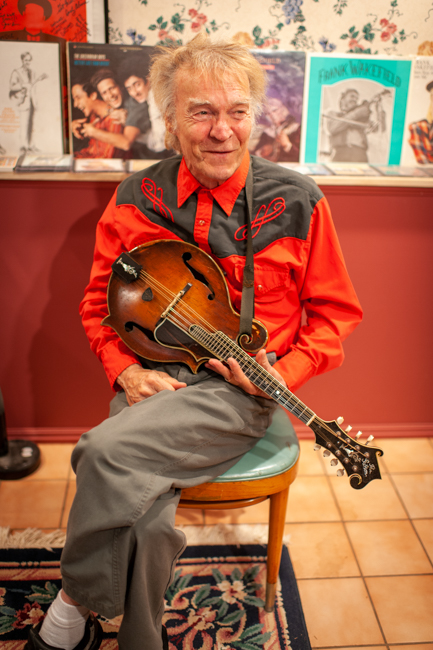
{"x": 359, "y": 461}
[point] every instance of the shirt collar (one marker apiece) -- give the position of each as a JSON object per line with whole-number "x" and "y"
{"x": 226, "y": 193}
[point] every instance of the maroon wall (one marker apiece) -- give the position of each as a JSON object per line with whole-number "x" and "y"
{"x": 49, "y": 377}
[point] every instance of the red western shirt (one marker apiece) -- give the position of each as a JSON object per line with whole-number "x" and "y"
{"x": 299, "y": 267}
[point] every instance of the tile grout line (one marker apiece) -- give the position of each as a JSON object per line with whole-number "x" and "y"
{"x": 391, "y": 478}
{"x": 337, "y": 504}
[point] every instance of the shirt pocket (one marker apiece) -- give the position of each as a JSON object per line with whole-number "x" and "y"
{"x": 271, "y": 286}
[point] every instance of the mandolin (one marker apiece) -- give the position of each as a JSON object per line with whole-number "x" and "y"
{"x": 169, "y": 302}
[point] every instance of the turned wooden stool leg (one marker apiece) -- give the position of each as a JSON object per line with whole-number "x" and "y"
{"x": 277, "y": 518}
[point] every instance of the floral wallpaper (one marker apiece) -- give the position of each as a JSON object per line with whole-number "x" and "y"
{"x": 395, "y": 27}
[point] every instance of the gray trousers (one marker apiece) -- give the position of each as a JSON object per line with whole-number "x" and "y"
{"x": 121, "y": 546}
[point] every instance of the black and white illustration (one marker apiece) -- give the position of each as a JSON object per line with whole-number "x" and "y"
{"x": 355, "y": 122}
{"x": 30, "y": 98}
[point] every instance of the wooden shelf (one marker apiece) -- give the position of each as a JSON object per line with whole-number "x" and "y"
{"x": 117, "y": 177}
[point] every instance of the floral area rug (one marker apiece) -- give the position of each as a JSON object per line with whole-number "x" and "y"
{"x": 214, "y": 603}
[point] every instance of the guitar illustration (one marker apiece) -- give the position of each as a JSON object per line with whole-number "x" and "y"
{"x": 168, "y": 301}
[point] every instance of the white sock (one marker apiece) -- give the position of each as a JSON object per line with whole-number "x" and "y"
{"x": 64, "y": 624}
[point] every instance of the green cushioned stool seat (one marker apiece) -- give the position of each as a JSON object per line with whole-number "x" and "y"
{"x": 273, "y": 454}
{"x": 265, "y": 472}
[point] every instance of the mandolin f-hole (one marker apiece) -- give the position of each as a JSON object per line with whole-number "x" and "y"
{"x": 197, "y": 275}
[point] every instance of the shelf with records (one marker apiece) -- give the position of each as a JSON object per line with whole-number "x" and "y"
{"x": 324, "y": 114}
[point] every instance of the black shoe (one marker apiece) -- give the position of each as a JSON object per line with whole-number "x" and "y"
{"x": 91, "y": 640}
{"x": 164, "y": 638}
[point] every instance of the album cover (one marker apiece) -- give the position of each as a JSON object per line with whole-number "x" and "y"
{"x": 30, "y": 98}
{"x": 112, "y": 110}
{"x": 99, "y": 165}
{"x": 277, "y": 135}
{"x": 44, "y": 163}
{"x": 418, "y": 129}
{"x": 47, "y": 21}
{"x": 400, "y": 170}
{"x": 312, "y": 169}
{"x": 7, "y": 163}
{"x": 354, "y": 108}
{"x": 347, "y": 169}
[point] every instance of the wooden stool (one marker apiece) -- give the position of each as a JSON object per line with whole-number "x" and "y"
{"x": 265, "y": 472}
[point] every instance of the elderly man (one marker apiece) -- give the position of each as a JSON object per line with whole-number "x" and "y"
{"x": 170, "y": 428}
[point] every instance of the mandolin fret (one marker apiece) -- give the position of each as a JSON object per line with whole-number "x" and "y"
{"x": 223, "y": 348}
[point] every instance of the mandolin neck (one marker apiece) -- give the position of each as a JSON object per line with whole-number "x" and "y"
{"x": 222, "y": 347}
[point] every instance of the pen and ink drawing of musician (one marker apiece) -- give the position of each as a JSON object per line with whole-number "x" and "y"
{"x": 30, "y": 98}
{"x": 278, "y": 132}
{"x": 23, "y": 90}
{"x": 356, "y": 118}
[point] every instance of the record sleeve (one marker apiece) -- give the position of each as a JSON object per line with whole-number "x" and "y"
{"x": 30, "y": 98}
{"x": 44, "y": 163}
{"x": 418, "y": 128}
{"x": 277, "y": 134}
{"x": 112, "y": 110}
{"x": 355, "y": 108}
{"x": 354, "y": 169}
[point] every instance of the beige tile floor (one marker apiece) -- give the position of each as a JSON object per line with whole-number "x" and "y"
{"x": 363, "y": 559}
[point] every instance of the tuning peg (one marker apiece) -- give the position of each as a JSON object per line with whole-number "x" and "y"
{"x": 340, "y": 420}
{"x": 348, "y": 429}
{"x": 340, "y": 472}
{"x": 334, "y": 462}
{"x": 369, "y": 439}
{"x": 358, "y": 435}
{"x": 326, "y": 453}
{"x": 316, "y": 447}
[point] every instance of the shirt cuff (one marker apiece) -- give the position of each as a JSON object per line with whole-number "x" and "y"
{"x": 115, "y": 357}
{"x": 295, "y": 368}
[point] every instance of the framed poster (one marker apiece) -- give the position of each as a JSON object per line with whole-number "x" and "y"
{"x": 112, "y": 111}
{"x": 30, "y": 98}
{"x": 418, "y": 131}
{"x": 277, "y": 135}
{"x": 355, "y": 108}
{"x": 47, "y": 21}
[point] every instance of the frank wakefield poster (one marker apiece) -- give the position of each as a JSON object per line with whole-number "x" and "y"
{"x": 356, "y": 108}
{"x": 418, "y": 132}
{"x": 277, "y": 135}
{"x": 30, "y": 98}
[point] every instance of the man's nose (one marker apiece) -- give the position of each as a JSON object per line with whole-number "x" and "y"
{"x": 221, "y": 129}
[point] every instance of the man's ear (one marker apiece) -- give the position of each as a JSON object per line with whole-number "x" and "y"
{"x": 169, "y": 125}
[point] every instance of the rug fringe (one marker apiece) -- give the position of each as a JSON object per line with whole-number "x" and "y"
{"x": 31, "y": 538}
{"x": 228, "y": 534}
{"x": 205, "y": 535}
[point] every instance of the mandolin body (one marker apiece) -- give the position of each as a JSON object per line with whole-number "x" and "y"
{"x": 139, "y": 307}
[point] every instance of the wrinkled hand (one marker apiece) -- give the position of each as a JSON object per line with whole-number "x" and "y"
{"x": 140, "y": 383}
{"x": 234, "y": 375}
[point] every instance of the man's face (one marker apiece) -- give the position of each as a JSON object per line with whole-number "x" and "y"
{"x": 213, "y": 124}
{"x": 27, "y": 61}
{"x": 349, "y": 101}
{"x": 110, "y": 93}
{"x": 33, "y": 17}
{"x": 82, "y": 100}
{"x": 276, "y": 110}
{"x": 137, "y": 88}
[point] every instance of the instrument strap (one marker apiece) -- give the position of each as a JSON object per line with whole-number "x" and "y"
{"x": 247, "y": 301}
